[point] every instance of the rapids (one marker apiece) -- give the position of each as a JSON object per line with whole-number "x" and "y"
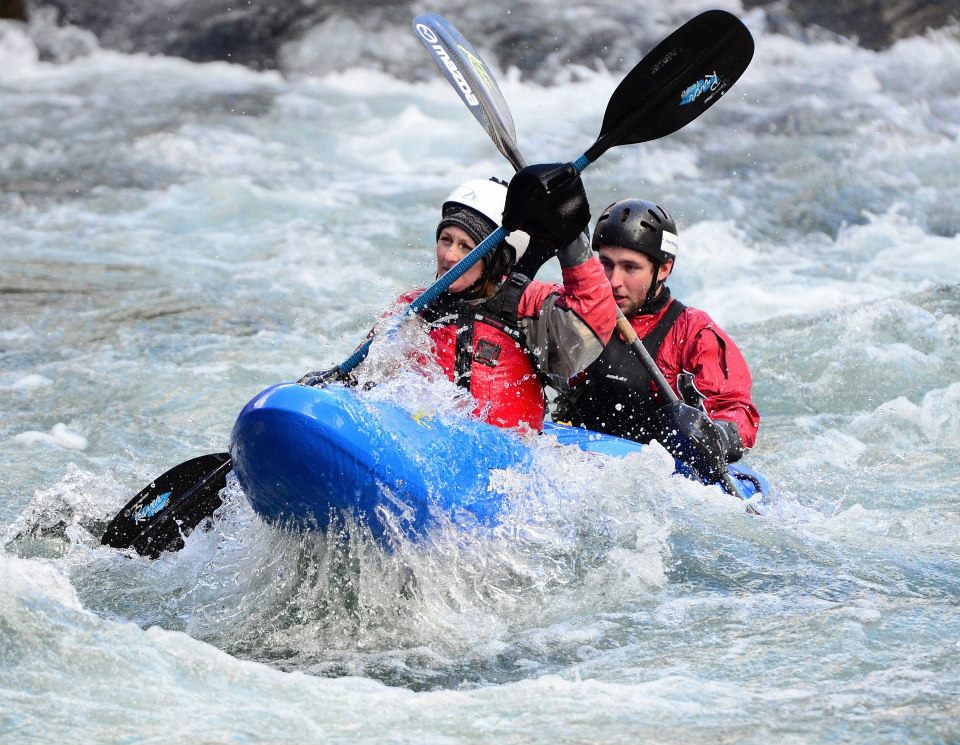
{"x": 175, "y": 237}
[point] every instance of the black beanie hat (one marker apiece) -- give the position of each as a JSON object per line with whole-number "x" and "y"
{"x": 472, "y": 222}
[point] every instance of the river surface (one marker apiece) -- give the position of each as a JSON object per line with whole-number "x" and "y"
{"x": 175, "y": 237}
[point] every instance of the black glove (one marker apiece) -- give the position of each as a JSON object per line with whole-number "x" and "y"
{"x": 729, "y": 440}
{"x": 548, "y": 202}
{"x": 694, "y": 439}
{"x": 537, "y": 254}
{"x": 323, "y": 378}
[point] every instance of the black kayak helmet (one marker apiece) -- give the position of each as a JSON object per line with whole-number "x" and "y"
{"x": 638, "y": 225}
{"x": 644, "y": 227}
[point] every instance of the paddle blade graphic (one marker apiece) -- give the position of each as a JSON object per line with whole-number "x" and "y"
{"x": 682, "y": 77}
{"x": 473, "y": 81}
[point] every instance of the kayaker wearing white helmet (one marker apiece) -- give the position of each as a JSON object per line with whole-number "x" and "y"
{"x": 637, "y": 243}
{"x": 502, "y": 335}
{"x": 469, "y": 214}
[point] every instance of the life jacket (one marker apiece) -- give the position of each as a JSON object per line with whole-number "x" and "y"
{"x": 618, "y": 396}
{"x": 481, "y": 347}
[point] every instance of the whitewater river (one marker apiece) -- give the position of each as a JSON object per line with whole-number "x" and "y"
{"x": 175, "y": 237}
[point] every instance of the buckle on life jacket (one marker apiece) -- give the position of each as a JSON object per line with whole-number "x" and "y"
{"x": 487, "y": 352}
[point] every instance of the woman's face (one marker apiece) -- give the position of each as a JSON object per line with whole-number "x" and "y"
{"x": 452, "y": 245}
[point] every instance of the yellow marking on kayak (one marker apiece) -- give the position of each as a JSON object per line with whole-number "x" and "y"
{"x": 419, "y": 417}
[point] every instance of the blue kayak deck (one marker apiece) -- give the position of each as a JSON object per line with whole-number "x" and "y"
{"x": 304, "y": 455}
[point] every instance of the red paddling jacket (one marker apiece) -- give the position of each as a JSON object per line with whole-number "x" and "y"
{"x": 504, "y": 348}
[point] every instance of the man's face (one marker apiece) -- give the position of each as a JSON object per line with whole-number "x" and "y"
{"x": 452, "y": 245}
{"x": 630, "y": 274}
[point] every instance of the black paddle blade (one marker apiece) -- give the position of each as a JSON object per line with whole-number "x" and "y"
{"x": 471, "y": 78}
{"x": 157, "y": 518}
{"x": 682, "y": 77}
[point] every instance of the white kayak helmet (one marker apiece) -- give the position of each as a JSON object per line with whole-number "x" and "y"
{"x": 476, "y": 206}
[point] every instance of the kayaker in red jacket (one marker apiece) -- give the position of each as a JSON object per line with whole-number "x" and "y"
{"x": 502, "y": 335}
{"x": 637, "y": 244}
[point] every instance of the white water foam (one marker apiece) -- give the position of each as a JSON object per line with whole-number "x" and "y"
{"x": 168, "y": 254}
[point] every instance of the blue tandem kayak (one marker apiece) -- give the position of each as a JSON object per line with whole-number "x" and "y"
{"x": 304, "y": 456}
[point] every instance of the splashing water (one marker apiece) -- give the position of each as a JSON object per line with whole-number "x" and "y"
{"x": 176, "y": 237}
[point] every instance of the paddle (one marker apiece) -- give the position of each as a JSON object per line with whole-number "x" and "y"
{"x": 157, "y": 518}
{"x": 474, "y": 82}
{"x": 682, "y": 77}
{"x": 727, "y": 481}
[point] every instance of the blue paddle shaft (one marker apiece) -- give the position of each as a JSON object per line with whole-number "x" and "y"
{"x": 443, "y": 284}
{"x": 432, "y": 292}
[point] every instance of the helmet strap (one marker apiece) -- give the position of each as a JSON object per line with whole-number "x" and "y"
{"x": 477, "y": 290}
{"x": 655, "y": 284}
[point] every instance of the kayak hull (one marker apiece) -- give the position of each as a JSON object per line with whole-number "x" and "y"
{"x": 308, "y": 456}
